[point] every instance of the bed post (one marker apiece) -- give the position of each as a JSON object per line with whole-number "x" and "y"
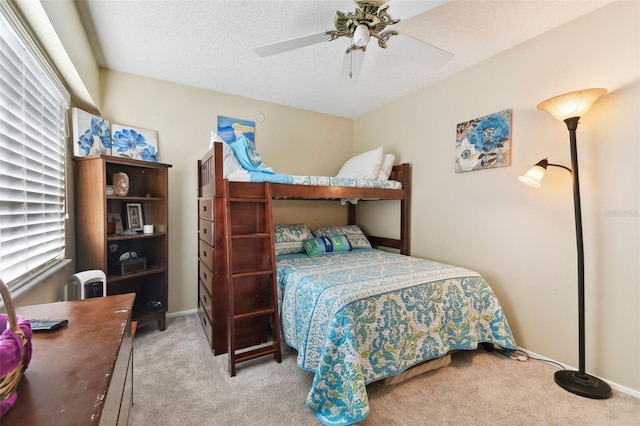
{"x": 351, "y": 214}
{"x": 219, "y": 254}
{"x": 403, "y": 175}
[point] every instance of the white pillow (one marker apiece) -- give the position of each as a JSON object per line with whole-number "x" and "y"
{"x": 230, "y": 163}
{"x": 387, "y": 165}
{"x": 363, "y": 166}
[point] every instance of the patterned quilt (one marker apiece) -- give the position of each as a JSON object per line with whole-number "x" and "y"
{"x": 322, "y": 180}
{"x": 361, "y": 316}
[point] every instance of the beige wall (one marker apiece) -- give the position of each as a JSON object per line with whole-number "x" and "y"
{"x": 523, "y": 240}
{"x": 184, "y": 118}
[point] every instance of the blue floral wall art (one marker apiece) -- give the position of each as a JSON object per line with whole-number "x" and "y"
{"x": 230, "y": 129}
{"x": 484, "y": 143}
{"x": 91, "y": 134}
{"x": 130, "y": 142}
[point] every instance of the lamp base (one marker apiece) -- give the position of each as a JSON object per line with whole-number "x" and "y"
{"x": 582, "y": 384}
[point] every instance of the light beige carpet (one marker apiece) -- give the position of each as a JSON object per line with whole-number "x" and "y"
{"x": 178, "y": 381}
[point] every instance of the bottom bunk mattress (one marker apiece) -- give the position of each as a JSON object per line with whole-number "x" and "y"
{"x": 360, "y": 316}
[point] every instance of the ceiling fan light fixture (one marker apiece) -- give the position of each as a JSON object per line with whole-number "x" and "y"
{"x": 361, "y": 35}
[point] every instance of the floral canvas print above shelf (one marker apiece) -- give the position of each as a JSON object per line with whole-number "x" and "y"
{"x": 484, "y": 142}
{"x": 91, "y": 134}
{"x": 130, "y": 142}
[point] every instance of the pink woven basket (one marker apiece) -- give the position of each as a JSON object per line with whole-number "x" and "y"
{"x": 15, "y": 351}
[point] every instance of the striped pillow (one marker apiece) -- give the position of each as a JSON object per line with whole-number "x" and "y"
{"x": 319, "y": 245}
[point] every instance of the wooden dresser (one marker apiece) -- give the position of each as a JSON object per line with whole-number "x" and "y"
{"x": 212, "y": 294}
{"x": 213, "y": 266}
{"x": 81, "y": 374}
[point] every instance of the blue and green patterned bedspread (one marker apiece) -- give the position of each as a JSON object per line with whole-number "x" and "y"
{"x": 323, "y": 180}
{"x": 361, "y": 316}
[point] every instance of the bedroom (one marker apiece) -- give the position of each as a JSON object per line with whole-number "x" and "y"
{"x": 521, "y": 240}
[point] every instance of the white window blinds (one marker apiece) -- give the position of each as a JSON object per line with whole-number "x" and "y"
{"x": 33, "y": 108}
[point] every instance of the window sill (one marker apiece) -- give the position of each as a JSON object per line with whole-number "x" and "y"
{"x": 37, "y": 280}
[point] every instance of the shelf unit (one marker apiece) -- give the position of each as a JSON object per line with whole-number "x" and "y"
{"x": 95, "y": 249}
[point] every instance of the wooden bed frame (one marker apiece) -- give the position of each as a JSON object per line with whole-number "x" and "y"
{"x": 212, "y": 182}
{"x": 235, "y": 233}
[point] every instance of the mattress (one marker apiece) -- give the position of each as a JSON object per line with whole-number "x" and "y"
{"x": 361, "y": 316}
{"x": 246, "y": 176}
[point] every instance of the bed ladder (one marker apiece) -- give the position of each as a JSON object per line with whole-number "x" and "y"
{"x": 251, "y": 278}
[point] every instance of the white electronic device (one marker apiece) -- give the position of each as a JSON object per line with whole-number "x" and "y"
{"x": 87, "y": 284}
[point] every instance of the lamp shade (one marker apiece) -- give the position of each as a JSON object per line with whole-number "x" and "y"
{"x": 535, "y": 174}
{"x": 361, "y": 35}
{"x": 572, "y": 104}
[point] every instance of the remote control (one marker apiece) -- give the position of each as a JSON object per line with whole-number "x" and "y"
{"x": 47, "y": 324}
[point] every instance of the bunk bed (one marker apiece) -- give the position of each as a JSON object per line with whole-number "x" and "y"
{"x": 362, "y": 315}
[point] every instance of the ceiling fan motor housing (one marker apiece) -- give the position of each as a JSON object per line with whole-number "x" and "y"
{"x": 369, "y": 19}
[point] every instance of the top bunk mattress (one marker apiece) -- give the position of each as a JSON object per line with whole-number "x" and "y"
{"x": 247, "y": 176}
{"x": 220, "y": 164}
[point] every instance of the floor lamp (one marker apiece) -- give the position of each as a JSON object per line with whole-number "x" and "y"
{"x": 569, "y": 107}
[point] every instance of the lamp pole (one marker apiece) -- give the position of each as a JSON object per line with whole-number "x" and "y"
{"x": 572, "y": 125}
{"x": 579, "y": 382}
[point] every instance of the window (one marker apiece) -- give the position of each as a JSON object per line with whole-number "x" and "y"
{"x": 33, "y": 109}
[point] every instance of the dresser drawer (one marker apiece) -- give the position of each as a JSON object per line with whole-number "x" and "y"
{"x": 205, "y": 300}
{"x": 205, "y": 253}
{"x": 205, "y": 230}
{"x": 206, "y": 276}
{"x": 206, "y": 324}
{"x": 205, "y": 208}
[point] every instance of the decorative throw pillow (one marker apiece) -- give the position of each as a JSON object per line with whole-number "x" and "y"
{"x": 247, "y": 155}
{"x": 387, "y": 165}
{"x": 363, "y": 166}
{"x": 333, "y": 243}
{"x": 230, "y": 163}
{"x": 289, "y": 238}
{"x": 353, "y": 232}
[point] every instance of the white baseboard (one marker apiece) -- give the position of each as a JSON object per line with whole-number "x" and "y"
{"x": 181, "y": 313}
{"x": 613, "y": 385}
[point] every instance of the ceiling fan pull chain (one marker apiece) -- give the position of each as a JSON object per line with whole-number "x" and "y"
{"x": 351, "y": 64}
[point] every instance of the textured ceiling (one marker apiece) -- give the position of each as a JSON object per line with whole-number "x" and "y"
{"x": 208, "y": 44}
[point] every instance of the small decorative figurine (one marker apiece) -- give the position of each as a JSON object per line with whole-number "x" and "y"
{"x": 121, "y": 184}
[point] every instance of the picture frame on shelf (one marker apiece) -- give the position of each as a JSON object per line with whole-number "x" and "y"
{"x": 134, "y": 216}
{"x": 117, "y": 219}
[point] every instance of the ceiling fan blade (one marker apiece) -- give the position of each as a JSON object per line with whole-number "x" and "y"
{"x": 296, "y": 43}
{"x": 351, "y": 67}
{"x": 418, "y": 51}
{"x": 405, "y": 9}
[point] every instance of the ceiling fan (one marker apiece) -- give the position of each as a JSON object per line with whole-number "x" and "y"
{"x": 371, "y": 19}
